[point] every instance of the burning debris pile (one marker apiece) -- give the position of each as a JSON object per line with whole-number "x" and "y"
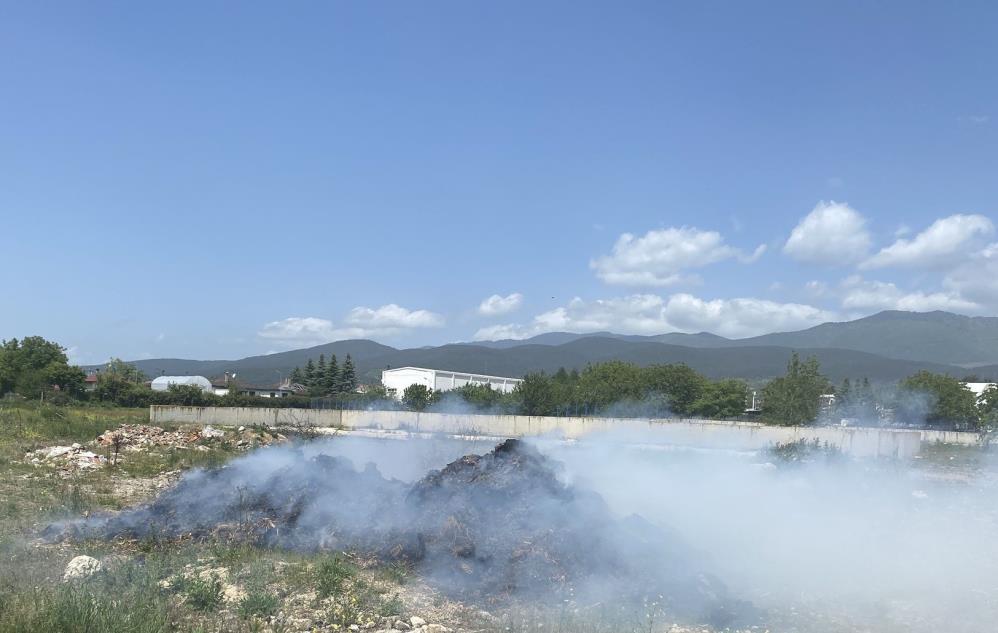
{"x": 484, "y": 528}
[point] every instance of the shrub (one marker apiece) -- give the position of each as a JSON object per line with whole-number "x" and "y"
{"x": 802, "y": 451}
{"x": 258, "y": 603}
{"x": 203, "y": 594}
{"x": 331, "y": 574}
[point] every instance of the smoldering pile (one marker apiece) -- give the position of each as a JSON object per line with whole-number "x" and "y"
{"x": 485, "y": 528}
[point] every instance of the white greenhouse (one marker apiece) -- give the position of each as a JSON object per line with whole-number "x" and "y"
{"x": 163, "y": 383}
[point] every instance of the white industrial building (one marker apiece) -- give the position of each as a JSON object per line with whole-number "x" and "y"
{"x": 396, "y": 380}
{"x": 163, "y": 383}
{"x": 978, "y": 388}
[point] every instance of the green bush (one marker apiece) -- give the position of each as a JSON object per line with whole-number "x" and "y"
{"x": 331, "y": 574}
{"x": 258, "y": 603}
{"x": 202, "y": 594}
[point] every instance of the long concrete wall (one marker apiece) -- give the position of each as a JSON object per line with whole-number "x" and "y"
{"x": 858, "y": 441}
{"x": 963, "y": 438}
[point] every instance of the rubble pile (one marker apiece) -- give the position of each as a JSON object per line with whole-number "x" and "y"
{"x": 484, "y": 529}
{"x": 135, "y": 438}
{"x": 139, "y": 437}
{"x": 73, "y": 457}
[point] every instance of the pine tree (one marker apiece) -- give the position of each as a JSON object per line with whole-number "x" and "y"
{"x": 844, "y": 399}
{"x": 296, "y": 376}
{"x": 319, "y": 382}
{"x": 866, "y": 399}
{"x": 309, "y": 373}
{"x": 332, "y": 377}
{"x": 348, "y": 377}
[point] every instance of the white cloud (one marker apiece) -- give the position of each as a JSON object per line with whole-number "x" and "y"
{"x": 299, "y": 331}
{"x": 974, "y": 119}
{"x": 977, "y": 278}
{"x": 946, "y": 241}
{"x": 503, "y": 332}
{"x": 361, "y": 322}
{"x": 393, "y": 316}
{"x": 816, "y": 288}
{"x": 741, "y": 317}
{"x": 659, "y": 257}
{"x": 832, "y": 233}
{"x": 860, "y": 294}
{"x": 653, "y": 314}
{"x": 496, "y": 304}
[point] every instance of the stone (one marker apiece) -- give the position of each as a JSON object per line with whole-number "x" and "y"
{"x": 209, "y": 432}
{"x": 417, "y": 621}
{"x": 81, "y": 567}
{"x": 58, "y": 451}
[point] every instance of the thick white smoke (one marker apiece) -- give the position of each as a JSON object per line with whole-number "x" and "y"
{"x": 875, "y": 545}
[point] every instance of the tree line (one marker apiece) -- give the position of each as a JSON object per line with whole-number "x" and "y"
{"x": 626, "y": 389}
{"x": 326, "y": 378}
{"x": 924, "y": 399}
{"x": 801, "y": 396}
{"x": 612, "y": 388}
{"x": 37, "y": 369}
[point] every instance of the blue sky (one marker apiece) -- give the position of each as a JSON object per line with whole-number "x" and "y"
{"x": 213, "y": 180}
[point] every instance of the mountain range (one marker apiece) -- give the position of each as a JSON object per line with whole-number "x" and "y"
{"x": 883, "y": 347}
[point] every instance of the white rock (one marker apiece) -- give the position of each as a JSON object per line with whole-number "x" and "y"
{"x": 210, "y": 432}
{"x": 437, "y": 628}
{"x": 81, "y": 567}
{"x": 417, "y": 621}
{"x": 58, "y": 451}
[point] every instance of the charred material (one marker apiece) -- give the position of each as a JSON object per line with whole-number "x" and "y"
{"x": 485, "y": 528}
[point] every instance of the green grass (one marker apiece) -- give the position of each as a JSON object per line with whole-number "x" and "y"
{"x": 32, "y": 596}
{"x": 33, "y": 599}
{"x": 331, "y": 574}
{"x": 395, "y": 572}
{"x": 258, "y": 603}
{"x": 391, "y": 606}
{"x": 28, "y": 423}
{"x": 202, "y": 594}
{"x": 158, "y": 460}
